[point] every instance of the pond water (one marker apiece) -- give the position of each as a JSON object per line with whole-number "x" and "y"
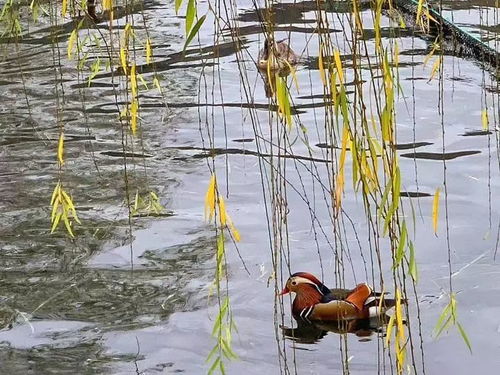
{"x": 78, "y": 306}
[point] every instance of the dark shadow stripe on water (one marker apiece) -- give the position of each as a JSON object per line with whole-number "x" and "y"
{"x": 439, "y": 155}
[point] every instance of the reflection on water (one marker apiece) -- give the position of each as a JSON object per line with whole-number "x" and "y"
{"x": 313, "y": 332}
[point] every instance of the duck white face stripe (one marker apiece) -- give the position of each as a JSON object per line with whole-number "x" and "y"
{"x": 303, "y": 280}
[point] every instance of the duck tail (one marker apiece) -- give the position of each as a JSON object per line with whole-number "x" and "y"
{"x": 380, "y": 306}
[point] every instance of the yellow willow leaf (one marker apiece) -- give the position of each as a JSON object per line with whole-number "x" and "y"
{"x": 222, "y": 211}
{"x": 396, "y": 55}
{"x": 144, "y": 83}
{"x": 75, "y": 217}
{"x": 333, "y": 87}
{"x": 355, "y": 11}
{"x": 435, "y": 68}
{"x": 400, "y": 334}
{"x": 429, "y": 17}
{"x": 293, "y": 74}
{"x": 64, "y": 7}
{"x": 134, "y": 108}
{"x": 68, "y": 200}
{"x": 234, "y": 231}
{"x": 67, "y": 224}
{"x": 402, "y": 23}
{"x": 124, "y": 113}
{"x": 60, "y": 149}
{"x": 54, "y": 210}
{"x": 484, "y": 119}
{"x": 435, "y": 210}
{"x": 55, "y": 193}
{"x": 123, "y": 60}
{"x": 133, "y": 81}
{"x": 389, "y": 330}
{"x": 156, "y": 82}
{"x": 419, "y": 10}
{"x": 136, "y": 200}
{"x": 283, "y": 101}
{"x": 346, "y": 139}
{"x": 321, "y": 65}
{"x": 210, "y": 199}
{"x": 339, "y": 189}
{"x": 338, "y": 64}
{"x": 71, "y": 43}
{"x": 149, "y": 51}
{"x": 128, "y": 31}
{"x": 399, "y": 317}
{"x": 430, "y": 54}
{"x": 107, "y": 4}
{"x": 55, "y": 222}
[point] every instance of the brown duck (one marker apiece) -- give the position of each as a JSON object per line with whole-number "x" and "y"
{"x": 277, "y": 56}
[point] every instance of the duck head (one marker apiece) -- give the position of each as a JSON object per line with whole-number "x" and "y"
{"x": 307, "y": 288}
{"x": 268, "y": 46}
{"x": 301, "y": 282}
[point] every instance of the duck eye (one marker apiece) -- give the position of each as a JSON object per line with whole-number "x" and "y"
{"x": 294, "y": 283}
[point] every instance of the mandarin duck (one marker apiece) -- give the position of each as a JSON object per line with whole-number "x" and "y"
{"x": 316, "y": 302}
{"x": 277, "y": 57}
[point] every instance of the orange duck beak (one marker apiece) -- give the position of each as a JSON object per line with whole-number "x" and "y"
{"x": 284, "y": 291}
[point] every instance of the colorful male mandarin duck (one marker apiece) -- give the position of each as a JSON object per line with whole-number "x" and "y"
{"x": 276, "y": 56}
{"x": 314, "y": 301}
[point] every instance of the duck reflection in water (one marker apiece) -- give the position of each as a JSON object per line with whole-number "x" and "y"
{"x": 276, "y": 58}
{"x": 312, "y": 332}
{"x": 319, "y": 310}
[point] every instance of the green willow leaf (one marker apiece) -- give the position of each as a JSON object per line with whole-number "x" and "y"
{"x": 413, "y": 263}
{"x": 464, "y": 336}
{"x": 178, "y": 4}
{"x": 214, "y": 366}
{"x": 400, "y": 252}
{"x": 194, "y": 31}
{"x": 190, "y": 15}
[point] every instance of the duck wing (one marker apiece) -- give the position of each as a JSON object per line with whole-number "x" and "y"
{"x": 334, "y": 310}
